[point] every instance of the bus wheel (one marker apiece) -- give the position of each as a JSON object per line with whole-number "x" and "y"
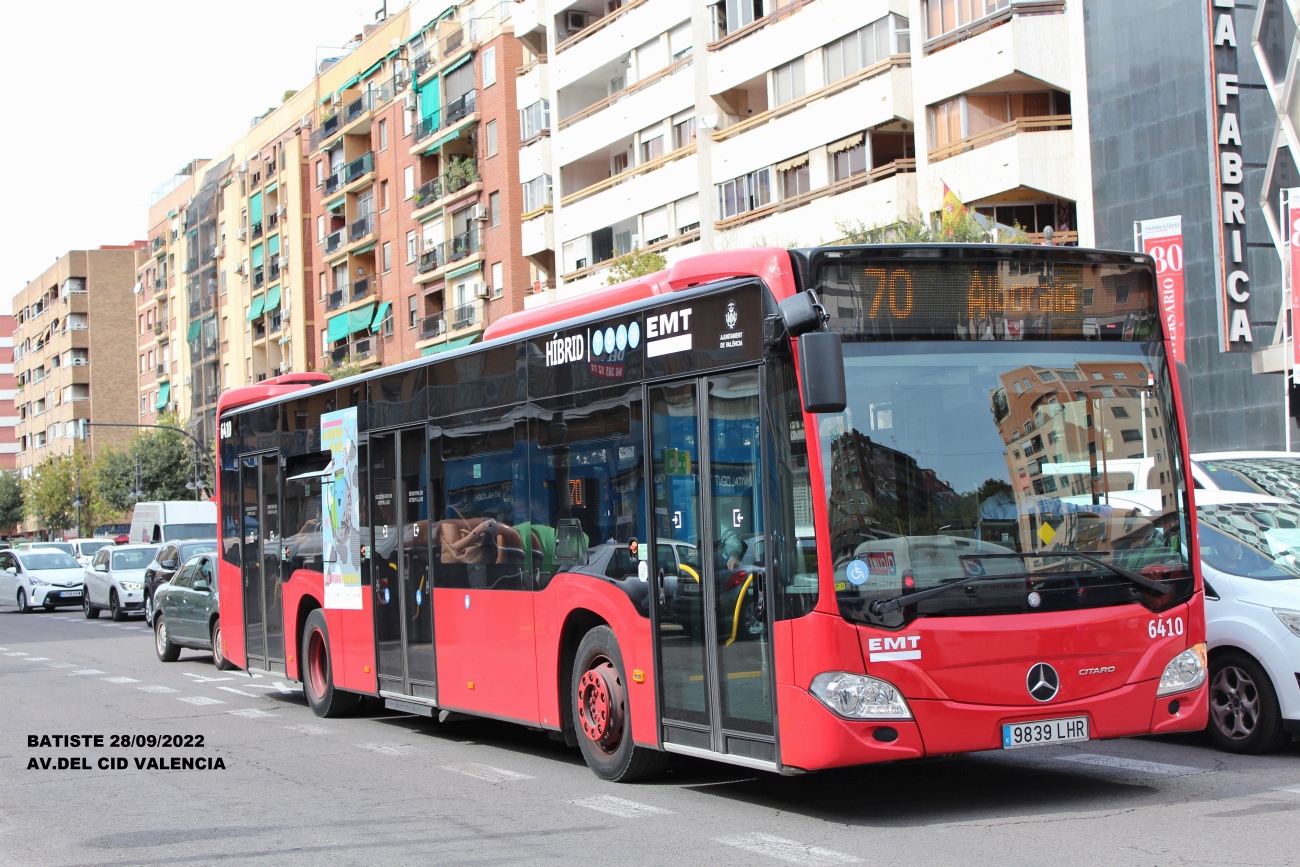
{"x": 600, "y": 713}
{"x": 318, "y": 673}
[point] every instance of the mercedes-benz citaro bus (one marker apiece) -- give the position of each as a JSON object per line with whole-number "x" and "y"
{"x": 787, "y": 509}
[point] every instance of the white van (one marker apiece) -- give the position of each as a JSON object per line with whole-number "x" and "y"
{"x": 173, "y": 521}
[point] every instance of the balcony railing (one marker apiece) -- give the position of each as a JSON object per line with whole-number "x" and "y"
{"x": 430, "y": 260}
{"x": 157, "y": 328}
{"x": 159, "y": 286}
{"x": 333, "y": 182}
{"x": 1006, "y": 130}
{"x": 255, "y": 181}
{"x": 358, "y": 107}
{"x": 256, "y": 231}
{"x": 358, "y": 349}
{"x": 259, "y": 330}
{"x": 634, "y": 87}
{"x": 362, "y": 165}
{"x": 333, "y": 241}
{"x": 336, "y": 298}
{"x": 156, "y": 244}
{"x": 259, "y": 278}
{"x": 272, "y": 220}
{"x": 275, "y": 322}
{"x": 424, "y": 61}
{"x": 464, "y": 316}
{"x": 273, "y": 270}
{"x": 362, "y": 286}
{"x": 461, "y": 246}
{"x": 459, "y": 108}
{"x": 358, "y": 229}
{"x": 460, "y": 174}
{"x": 433, "y": 326}
{"x": 428, "y": 193}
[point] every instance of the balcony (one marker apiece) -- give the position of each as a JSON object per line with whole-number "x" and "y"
{"x": 333, "y": 241}
{"x": 359, "y": 229}
{"x": 433, "y": 326}
{"x": 329, "y": 127}
{"x": 465, "y": 316}
{"x": 157, "y": 244}
{"x": 259, "y": 278}
{"x": 333, "y": 183}
{"x": 259, "y": 329}
{"x": 1050, "y": 123}
{"x": 337, "y": 298}
{"x": 358, "y": 107}
{"x": 448, "y": 116}
{"x": 256, "y": 231}
{"x": 428, "y": 194}
{"x": 429, "y": 261}
{"x": 359, "y": 350}
{"x": 272, "y": 221}
{"x": 159, "y": 286}
{"x": 160, "y": 371}
{"x": 157, "y": 328}
{"x": 275, "y": 322}
{"x": 273, "y": 270}
{"x": 358, "y": 168}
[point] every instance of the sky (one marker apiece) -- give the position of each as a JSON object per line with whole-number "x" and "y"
{"x": 109, "y": 99}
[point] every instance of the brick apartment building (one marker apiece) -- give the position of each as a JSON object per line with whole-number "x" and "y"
{"x": 75, "y": 320}
{"x": 8, "y": 414}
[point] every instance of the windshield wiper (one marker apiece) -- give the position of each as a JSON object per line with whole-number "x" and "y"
{"x": 884, "y": 606}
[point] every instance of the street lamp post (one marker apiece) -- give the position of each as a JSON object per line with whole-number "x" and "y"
{"x": 77, "y": 503}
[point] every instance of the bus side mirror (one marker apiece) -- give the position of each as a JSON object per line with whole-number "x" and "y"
{"x": 821, "y": 372}
{"x": 570, "y": 542}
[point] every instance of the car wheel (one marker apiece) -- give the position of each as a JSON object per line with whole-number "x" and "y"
{"x": 114, "y": 608}
{"x": 148, "y": 609}
{"x": 162, "y": 642}
{"x": 318, "y": 671}
{"x": 23, "y": 607}
{"x": 91, "y": 612}
{"x": 49, "y": 606}
{"x": 600, "y": 713}
{"x": 218, "y": 651}
{"x": 1244, "y": 712}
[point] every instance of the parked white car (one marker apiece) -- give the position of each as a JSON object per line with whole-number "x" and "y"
{"x": 39, "y": 577}
{"x": 84, "y": 549}
{"x": 115, "y": 580}
{"x": 1250, "y": 557}
{"x": 1276, "y": 474}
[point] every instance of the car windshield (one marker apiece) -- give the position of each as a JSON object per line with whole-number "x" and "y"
{"x": 1277, "y": 477}
{"x": 133, "y": 558}
{"x": 188, "y": 551}
{"x": 89, "y": 548}
{"x": 950, "y": 452}
{"x": 65, "y": 547}
{"x": 37, "y": 560}
{"x": 190, "y": 531}
{"x": 1253, "y": 540}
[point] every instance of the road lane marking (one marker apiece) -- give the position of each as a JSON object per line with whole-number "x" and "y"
{"x": 278, "y": 686}
{"x": 238, "y": 691}
{"x": 621, "y": 807}
{"x": 16, "y": 653}
{"x": 86, "y": 671}
{"x": 250, "y": 713}
{"x": 3, "y": 649}
{"x": 1135, "y": 765}
{"x": 390, "y": 749}
{"x": 790, "y": 851}
{"x": 200, "y": 699}
{"x": 1295, "y": 790}
{"x": 486, "y": 773}
{"x": 61, "y": 665}
{"x": 309, "y": 730}
{"x": 119, "y": 679}
{"x": 160, "y": 690}
{"x": 37, "y": 659}
{"x": 200, "y": 678}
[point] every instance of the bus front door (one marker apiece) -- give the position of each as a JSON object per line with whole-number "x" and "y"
{"x": 713, "y": 636}
{"x": 263, "y": 601}
{"x": 399, "y": 563}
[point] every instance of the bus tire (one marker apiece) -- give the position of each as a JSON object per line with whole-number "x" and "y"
{"x": 1245, "y": 716}
{"x": 318, "y": 671}
{"x": 600, "y": 713}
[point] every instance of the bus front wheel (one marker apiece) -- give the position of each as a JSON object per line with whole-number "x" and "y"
{"x": 318, "y": 672}
{"x": 600, "y": 713}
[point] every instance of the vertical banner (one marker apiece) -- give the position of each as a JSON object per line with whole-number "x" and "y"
{"x": 1292, "y": 211}
{"x": 1162, "y": 240}
{"x": 341, "y": 529}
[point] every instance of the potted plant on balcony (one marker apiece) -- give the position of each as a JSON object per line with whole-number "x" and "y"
{"x": 461, "y": 173}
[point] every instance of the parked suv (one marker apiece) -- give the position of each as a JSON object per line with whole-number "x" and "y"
{"x": 166, "y": 563}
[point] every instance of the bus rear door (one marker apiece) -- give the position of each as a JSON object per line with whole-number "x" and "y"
{"x": 263, "y": 600}
{"x": 713, "y": 636}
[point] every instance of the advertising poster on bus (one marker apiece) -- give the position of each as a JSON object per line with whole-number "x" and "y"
{"x": 341, "y": 528}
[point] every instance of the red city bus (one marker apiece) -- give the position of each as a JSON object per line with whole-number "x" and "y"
{"x": 788, "y": 509}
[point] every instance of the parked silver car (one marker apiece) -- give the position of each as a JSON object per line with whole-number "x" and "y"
{"x": 115, "y": 580}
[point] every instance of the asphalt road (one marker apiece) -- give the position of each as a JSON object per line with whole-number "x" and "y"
{"x": 383, "y": 788}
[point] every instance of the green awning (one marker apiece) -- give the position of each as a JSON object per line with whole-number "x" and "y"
{"x": 273, "y": 245}
{"x": 414, "y": 36}
{"x": 271, "y": 187}
{"x": 449, "y": 137}
{"x": 459, "y": 272}
{"x": 256, "y": 307}
{"x": 273, "y": 298}
{"x": 360, "y": 318}
{"x": 255, "y": 208}
{"x": 372, "y": 70}
{"x": 380, "y": 315}
{"x": 259, "y": 256}
{"x": 450, "y": 344}
{"x": 164, "y": 395}
{"x": 430, "y": 98}
{"x": 337, "y": 329}
{"x": 194, "y": 330}
{"x": 351, "y": 81}
{"x": 458, "y": 64}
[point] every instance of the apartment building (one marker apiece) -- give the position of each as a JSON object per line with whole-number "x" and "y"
{"x": 8, "y": 391}
{"x": 415, "y": 192}
{"x": 75, "y": 320}
{"x": 681, "y": 126}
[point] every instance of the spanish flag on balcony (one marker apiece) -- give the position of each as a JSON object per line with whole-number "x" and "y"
{"x": 952, "y": 204}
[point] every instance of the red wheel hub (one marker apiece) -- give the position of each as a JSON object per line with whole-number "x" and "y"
{"x": 316, "y": 663}
{"x": 602, "y": 705}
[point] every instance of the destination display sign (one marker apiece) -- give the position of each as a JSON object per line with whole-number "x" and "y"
{"x": 991, "y": 299}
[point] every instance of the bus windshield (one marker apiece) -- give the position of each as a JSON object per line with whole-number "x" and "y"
{"x": 950, "y": 452}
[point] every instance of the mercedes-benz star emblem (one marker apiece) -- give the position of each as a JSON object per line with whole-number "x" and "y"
{"x": 1043, "y": 682}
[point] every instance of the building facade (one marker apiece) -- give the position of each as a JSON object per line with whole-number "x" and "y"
{"x": 681, "y": 126}
{"x": 75, "y": 320}
{"x": 8, "y": 391}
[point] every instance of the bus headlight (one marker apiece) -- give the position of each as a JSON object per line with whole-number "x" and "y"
{"x": 1185, "y": 671}
{"x": 857, "y": 696}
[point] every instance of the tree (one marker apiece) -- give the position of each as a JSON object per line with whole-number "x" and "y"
{"x": 48, "y": 494}
{"x": 638, "y": 263}
{"x": 166, "y": 459}
{"x": 953, "y": 225}
{"x": 342, "y": 370}
{"x": 114, "y": 478}
{"x": 11, "y": 500}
